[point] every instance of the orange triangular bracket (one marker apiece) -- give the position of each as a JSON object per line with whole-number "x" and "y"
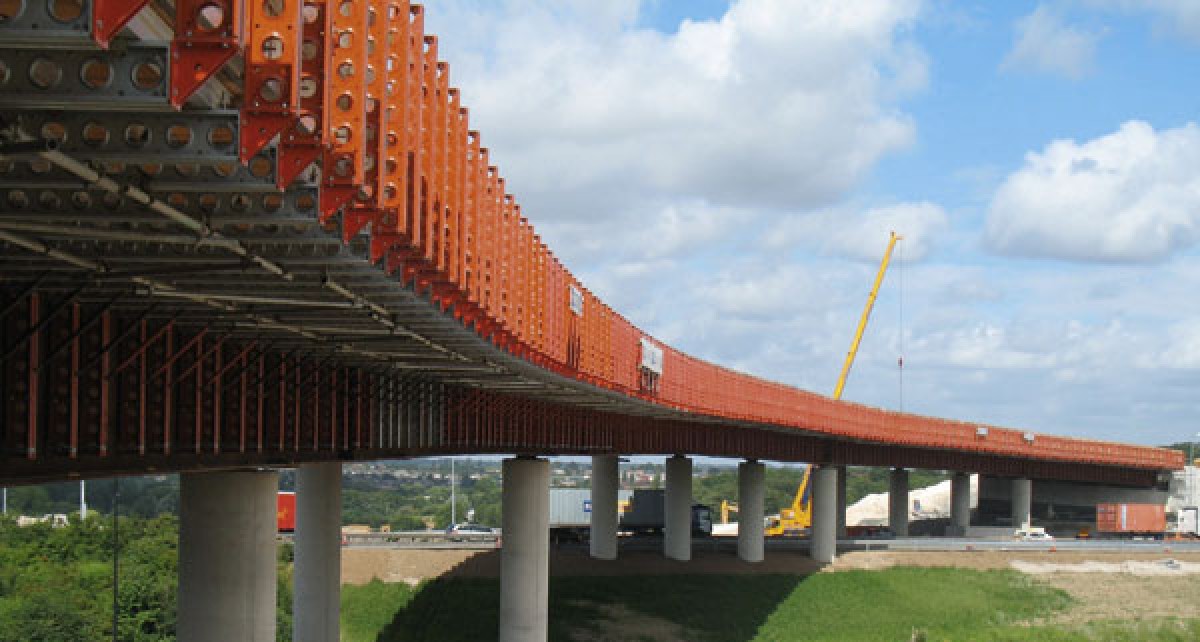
{"x": 110, "y": 16}
{"x": 257, "y": 130}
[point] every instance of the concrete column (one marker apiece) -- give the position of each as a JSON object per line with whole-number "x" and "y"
{"x": 841, "y": 501}
{"x": 752, "y": 491}
{"x": 824, "y": 514}
{"x": 1022, "y": 502}
{"x": 677, "y": 526}
{"x": 227, "y": 556}
{"x": 525, "y": 556}
{"x": 960, "y": 504}
{"x": 898, "y": 502}
{"x": 605, "y": 480}
{"x": 317, "y": 575}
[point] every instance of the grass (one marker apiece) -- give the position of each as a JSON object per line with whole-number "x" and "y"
{"x": 855, "y": 606}
{"x": 367, "y": 609}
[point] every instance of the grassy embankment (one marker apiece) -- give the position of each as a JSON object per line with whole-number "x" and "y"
{"x": 856, "y": 606}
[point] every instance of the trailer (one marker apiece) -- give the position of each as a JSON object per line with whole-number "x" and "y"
{"x": 1130, "y": 520}
{"x": 1187, "y": 522}
{"x": 285, "y": 512}
{"x": 571, "y": 512}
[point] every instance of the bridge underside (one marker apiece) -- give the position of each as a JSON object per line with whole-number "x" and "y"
{"x": 99, "y": 379}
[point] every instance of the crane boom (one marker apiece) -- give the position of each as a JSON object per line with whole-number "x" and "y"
{"x": 866, "y": 315}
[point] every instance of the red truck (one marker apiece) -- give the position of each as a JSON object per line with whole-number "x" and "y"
{"x": 285, "y": 512}
{"x": 1131, "y": 519}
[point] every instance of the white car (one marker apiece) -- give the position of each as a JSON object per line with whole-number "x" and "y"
{"x": 1033, "y": 535}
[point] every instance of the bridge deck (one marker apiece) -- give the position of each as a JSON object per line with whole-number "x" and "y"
{"x": 333, "y": 268}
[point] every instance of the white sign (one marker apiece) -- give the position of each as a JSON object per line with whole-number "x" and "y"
{"x": 652, "y": 357}
{"x": 576, "y": 300}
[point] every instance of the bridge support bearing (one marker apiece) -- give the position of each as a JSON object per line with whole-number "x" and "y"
{"x": 824, "y": 514}
{"x": 751, "y": 496}
{"x": 227, "y": 556}
{"x": 898, "y": 502}
{"x": 1022, "y": 502}
{"x": 316, "y": 600}
{"x": 677, "y": 517}
{"x": 960, "y": 504}
{"x": 525, "y": 557}
{"x": 841, "y": 501}
{"x": 605, "y": 480}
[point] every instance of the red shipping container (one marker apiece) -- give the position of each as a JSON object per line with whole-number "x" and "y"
{"x": 1131, "y": 518}
{"x": 285, "y": 512}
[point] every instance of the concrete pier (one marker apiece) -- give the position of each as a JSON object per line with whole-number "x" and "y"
{"x": 898, "y": 502}
{"x": 751, "y": 497}
{"x": 316, "y": 598}
{"x": 525, "y": 556}
{"x": 841, "y": 501}
{"x": 605, "y": 482}
{"x": 824, "y": 514}
{"x": 960, "y": 504}
{"x": 1022, "y": 502}
{"x": 227, "y": 556}
{"x": 677, "y": 529}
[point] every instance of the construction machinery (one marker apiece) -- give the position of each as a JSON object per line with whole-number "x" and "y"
{"x": 866, "y": 315}
{"x": 797, "y": 518}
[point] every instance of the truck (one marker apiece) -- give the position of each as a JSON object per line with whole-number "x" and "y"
{"x": 1129, "y": 520}
{"x": 647, "y": 509}
{"x": 1187, "y": 522}
{"x": 285, "y": 512}
{"x": 571, "y": 512}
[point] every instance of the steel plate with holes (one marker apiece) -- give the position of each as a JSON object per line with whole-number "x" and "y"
{"x": 154, "y": 137}
{"x": 131, "y": 78}
{"x": 46, "y": 23}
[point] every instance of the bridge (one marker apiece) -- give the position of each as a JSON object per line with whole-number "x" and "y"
{"x": 237, "y": 236}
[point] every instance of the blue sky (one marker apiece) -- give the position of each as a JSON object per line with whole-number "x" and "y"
{"x": 725, "y": 175}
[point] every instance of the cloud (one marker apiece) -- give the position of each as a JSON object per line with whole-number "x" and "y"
{"x": 1133, "y": 195}
{"x": 1043, "y": 43}
{"x": 775, "y": 104}
{"x": 1181, "y": 17}
{"x": 862, "y": 236}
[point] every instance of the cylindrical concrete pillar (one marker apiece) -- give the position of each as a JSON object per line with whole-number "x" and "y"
{"x": 841, "y": 501}
{"x": 824, "y": 514}
{"x": 1022, "y": 502}
{"x": 227, "y": 556}
{"x": 960, "y": 504}
{"x": 605, "y": 480}
{"x": 317, "y": 575}
{"x": 525, "y": 556}
{"x": 898, "y": 502}
{"x": 752, "y": 491}
{"x": 677, "y": 526}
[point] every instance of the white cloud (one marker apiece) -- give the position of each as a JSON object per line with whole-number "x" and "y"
{"x": 862, "y": 236}
{"x": 1176, "y": 16}
{"x": 1133, "y": 195}
{"x": 1045, "y": 44}
{"x": 777, "y": 103}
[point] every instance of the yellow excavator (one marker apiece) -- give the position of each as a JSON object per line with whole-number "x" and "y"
{"x": 798, "y": 517}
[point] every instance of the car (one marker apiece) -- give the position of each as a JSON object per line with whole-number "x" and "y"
{"x": 469, "y": 529}
{"x": 1033, "y": 535}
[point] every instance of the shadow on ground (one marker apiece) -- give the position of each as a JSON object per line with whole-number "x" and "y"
{"x": 656, "y": 606}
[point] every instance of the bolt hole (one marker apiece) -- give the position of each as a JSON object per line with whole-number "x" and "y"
{"x": 305, "y": 203}
{"x": 308, "y": 87}
{"x": 54, "y": 132}
{"x": 272, "y": 47}
{"x": 96, "y": 73}
{"x": 147, "y": 76}
{"x": 345, "y": 102}
{"x": 44, "y": 73}
{"x": 48, "y": 200}
{"x": 274, "y": 8}
{"x": 260, "y": 167}
{"x": 179, "y": 136}
{"x": 306, "y": 125}
{"x": 10, "y": 10}
{"x": 66, "y": 10}
{"x": 95, "y": 134}
{"x": 81, "y": 200}
{"x": 17, "y": 199}
{"x": 137, "y": 135}
{"x": 221, "y": 136}
{"x": 311, "y": 12}
{"x": 341, "y": 135}
{"x": 208, "y": 202}
{"x": 272, "y": 202}
{"x": 210, "y": 17}
{"x": 271, "y": 90}
{"x": 309, "y": 50}
{"x": 346, "y": 70}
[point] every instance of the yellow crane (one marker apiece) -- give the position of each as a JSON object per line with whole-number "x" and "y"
{"x": 794, "y": 519}
{"x": 866, "y": 315}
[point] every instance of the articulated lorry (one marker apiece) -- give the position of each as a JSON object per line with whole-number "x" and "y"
{"x": 641, "y": 512}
